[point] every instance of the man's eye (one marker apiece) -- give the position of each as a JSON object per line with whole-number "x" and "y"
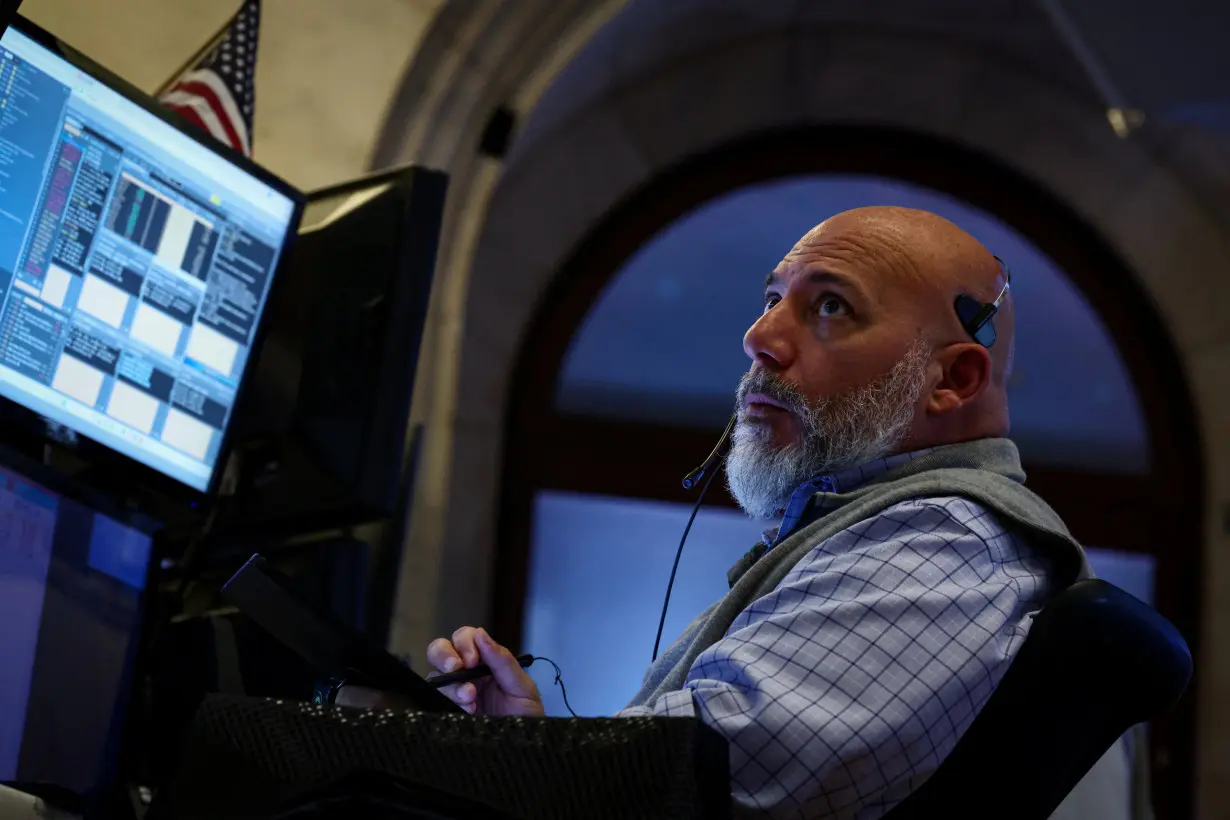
{"x": 770, "y": 301}
{"x": 832, "y": 306}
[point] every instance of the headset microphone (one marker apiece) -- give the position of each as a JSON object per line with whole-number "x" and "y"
{"x": 689, "y": 481}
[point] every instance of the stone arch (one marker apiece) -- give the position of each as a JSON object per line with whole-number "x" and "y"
{"x": 531, "y": 427}
{"x": 510, "y": 228}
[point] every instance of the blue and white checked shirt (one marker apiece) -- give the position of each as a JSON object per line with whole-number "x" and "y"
{"x": 847, "y": 685}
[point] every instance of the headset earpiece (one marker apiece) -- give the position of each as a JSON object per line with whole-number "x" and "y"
{"x": 976, "y": 316}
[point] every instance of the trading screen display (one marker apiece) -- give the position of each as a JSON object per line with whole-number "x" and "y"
{"x": 134, "y": 266}
{"x": 71, "y": 582}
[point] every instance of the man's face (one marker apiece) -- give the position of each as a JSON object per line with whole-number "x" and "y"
{"x": 839, "y": 369}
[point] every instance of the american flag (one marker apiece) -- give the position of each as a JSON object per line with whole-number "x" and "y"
{"x": 217, "y": 92}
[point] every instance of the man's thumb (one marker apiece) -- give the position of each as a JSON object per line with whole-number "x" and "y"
{"x": 504, "y": 667}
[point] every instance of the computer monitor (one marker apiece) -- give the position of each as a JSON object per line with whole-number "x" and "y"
{"x": 332, "y": 389}
{"x": 72, "y": 582}
{"x": 136, "y": 259}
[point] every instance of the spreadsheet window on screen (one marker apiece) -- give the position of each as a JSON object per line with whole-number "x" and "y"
{"x": 134, "y": 266}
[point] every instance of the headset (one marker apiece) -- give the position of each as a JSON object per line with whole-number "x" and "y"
{"x": 975, "y": 318}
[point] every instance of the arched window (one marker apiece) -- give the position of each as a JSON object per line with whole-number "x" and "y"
{"x": 1103, "y": 412}
{"x": 661, "y": 348}
{"x": 662, "y": 344}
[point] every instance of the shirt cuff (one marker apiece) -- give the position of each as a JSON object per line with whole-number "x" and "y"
{"x": 672, "y": 704}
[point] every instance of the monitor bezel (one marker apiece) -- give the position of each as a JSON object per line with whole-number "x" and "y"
{"x": 121, "y": 473}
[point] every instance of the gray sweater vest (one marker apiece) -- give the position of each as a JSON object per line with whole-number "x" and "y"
{"x": 987, "y": 471}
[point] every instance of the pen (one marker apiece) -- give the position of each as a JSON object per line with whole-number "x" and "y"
{"x": 475, "y": 673}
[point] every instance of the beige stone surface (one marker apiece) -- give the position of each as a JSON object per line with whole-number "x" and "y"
{"x": 144, "y": 41}
{"x": 1209, "y": 372}
{"x": 858, "y": 75}
{"x": 325, "y": 69}
{"x": 1075, "y": 154}
{"x": 718, "y": 90}
{"x": 1180, "y": 250}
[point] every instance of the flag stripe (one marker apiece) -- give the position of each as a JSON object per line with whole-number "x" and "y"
{"x": 189, "y": 113}
{"x": 224, "y": 99}
{"x": 202, "y": 113}
{"x": 218, "y": 92}
{"x": 206, "y": 95}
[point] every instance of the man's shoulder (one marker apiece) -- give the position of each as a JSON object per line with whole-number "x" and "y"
{"x": 928, "y": 549}
{"x": 1007, "y": 496}
{"x": 954, "y": 514}
{"x": 929, "y": 515}
{"x": 922, "y": 529}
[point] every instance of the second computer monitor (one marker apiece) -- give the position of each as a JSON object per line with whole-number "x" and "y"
{"x": 72, "y": 581}
{"x": 335, "y": 377}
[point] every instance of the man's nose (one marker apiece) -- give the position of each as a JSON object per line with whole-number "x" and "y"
{"x": 768, "y": 341}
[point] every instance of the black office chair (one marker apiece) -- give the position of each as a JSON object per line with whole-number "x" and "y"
{"x": 1096, "y": 662}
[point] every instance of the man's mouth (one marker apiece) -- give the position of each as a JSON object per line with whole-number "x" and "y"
{"x": 760, "y": 405}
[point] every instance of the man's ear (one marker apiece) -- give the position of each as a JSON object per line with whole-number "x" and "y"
{"x": 965, "y": 372}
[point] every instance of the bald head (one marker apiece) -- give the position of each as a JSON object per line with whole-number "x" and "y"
{"x": 924, "y": 256}
{"x": 860, "y": 351}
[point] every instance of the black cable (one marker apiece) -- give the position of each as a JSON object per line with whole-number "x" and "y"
{"x": 559, "y": 681}
{"x": 679, "y": 552}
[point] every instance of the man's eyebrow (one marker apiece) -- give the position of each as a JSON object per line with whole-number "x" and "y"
{"x": 817, "y": 277}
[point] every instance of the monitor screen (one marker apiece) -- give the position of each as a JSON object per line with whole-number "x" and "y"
{"x": 135, "y": 263}
{"x": 71, "y": 582}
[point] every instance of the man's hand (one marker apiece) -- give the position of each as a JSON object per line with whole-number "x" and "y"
{"x": 507, "y": 691}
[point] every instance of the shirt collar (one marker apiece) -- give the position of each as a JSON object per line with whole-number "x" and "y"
{"x": 842, "y": 481}
{"x": 847, "y": 480}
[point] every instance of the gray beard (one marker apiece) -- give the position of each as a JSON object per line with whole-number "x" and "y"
{"x": 838, "y": 433}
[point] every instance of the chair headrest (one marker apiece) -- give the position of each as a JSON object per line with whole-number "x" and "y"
{"x": 1096, "y": 634}
{"x": 1096, "y": 662}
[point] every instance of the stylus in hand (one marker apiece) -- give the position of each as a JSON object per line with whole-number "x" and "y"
{"x": 475, "y": 673}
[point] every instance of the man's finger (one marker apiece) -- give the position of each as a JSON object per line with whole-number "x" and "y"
{"x": 463, "y": 642}
{"x": 443, "y": 655}
{"x": 505, "y": 669}
{"x": 459, "y": 693}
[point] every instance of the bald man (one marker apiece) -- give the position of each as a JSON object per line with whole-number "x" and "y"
{"x": 862, "y": 635}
